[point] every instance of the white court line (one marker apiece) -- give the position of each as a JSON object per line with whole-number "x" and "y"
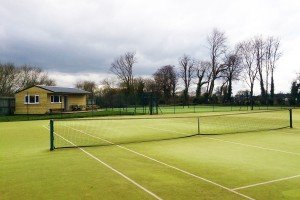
{"x": 257, "y": 184}
{"x": 267, "y": 182}
{"x": 253, "y": 146}
{"x": 237, "y": 143}
{"x": 165, "y": 164}
{"x": 110, "y": 167}
{"x": 166, "y": 130}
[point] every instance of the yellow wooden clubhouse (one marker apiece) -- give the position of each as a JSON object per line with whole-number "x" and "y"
{"x": 42, "y": 99}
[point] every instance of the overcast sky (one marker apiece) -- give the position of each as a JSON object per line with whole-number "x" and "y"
{"x": 78, "y": 39}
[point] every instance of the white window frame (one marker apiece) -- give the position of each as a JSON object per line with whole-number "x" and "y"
{"x": 52, "y": 99}
{"x": 28, "y": 99}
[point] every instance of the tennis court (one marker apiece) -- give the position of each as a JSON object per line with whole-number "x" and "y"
{"x": 238, "y": 155}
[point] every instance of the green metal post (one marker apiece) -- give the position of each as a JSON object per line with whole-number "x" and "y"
{"x": 291, "y": 118}
{"x": 92, "y": 103}
{"x": 198, "y": 125}
{"x": 51, "y": 135}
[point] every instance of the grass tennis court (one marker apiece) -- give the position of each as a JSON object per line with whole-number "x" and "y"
{"x": 230, "y": 159}
{"x": 178, "y": 109}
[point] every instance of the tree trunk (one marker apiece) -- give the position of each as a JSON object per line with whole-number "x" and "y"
{"x": 262, "y": 87}
{"x": 199, "y": 85}
{"x": 211, "y": 88}
{"x": 229, "y": 90}
{"x": 185, "y": 96}
{"x": 198, "y": 90}
{"x": 272, "y": 88}
{"x": 251, "y": 96}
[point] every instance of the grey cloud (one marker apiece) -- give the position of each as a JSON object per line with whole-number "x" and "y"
{"x": 85, "y": 36}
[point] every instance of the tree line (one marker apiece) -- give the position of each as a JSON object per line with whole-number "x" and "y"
{"x": 191, "y": 80}
{"x": 295, "y": 91}
{"x": 252, "y": 61}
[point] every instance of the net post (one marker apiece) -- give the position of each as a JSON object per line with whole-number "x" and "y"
{"x": 198, "y": 125}
{"x": 291, "y": 118}
{"x": 51, "y": 134}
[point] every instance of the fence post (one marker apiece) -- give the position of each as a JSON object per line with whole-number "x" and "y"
{"x": 51, "y": 135}
{"x": 198, "y": 125}
{"x": 92, "y": 103}
{"x": 291, "y": 118}
{"x": 27, "y": 108}
{"x": 61, "y": 106}
{"x": 174, "y": 104}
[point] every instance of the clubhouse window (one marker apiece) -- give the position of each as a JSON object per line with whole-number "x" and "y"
{"x": 55, "y": 99}
{"x": 32, "y": 99}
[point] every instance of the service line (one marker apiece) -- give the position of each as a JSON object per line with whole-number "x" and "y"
{"x": 267, "y": 182}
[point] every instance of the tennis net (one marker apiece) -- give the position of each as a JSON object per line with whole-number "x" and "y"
{"x": 112, "y": 131}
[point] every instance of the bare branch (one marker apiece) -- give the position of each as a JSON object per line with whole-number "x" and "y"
{"x": 122, "y": 67}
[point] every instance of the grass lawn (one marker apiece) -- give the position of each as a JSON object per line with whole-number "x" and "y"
{"x": 8, "y": 118}
{"x": 263, "y": 164}
{"x": 135, "y": 111}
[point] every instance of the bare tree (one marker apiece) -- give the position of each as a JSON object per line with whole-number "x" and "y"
{"x": 29, "y": 76}
{"x": 108, "y": 83}
{"x": 139, "y": 86}
{"x": 13, "y": 78}
{"x": 108, "y": 90}
{"x": 186, "y": 73}
{"x": 166, "y": 80}
{"x": 150, "y": 85}
{"x": 272, "y": 56}
{"x": 202, "y": 72}
{"x": 267, "y": 55}
{"x": 122, "y": 67}
{"x": 89, "y": 86}
{"x": 8, "y": 78}
{"x": 248, "y": 57}
{"x": 232, "y": 72}
{"x": 267, "y": 67}
{"x": 259, "y": 46}
{"x": 217, "y": 48}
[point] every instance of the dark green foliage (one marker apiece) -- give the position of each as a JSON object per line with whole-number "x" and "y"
{"x": 295, "y": 94}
